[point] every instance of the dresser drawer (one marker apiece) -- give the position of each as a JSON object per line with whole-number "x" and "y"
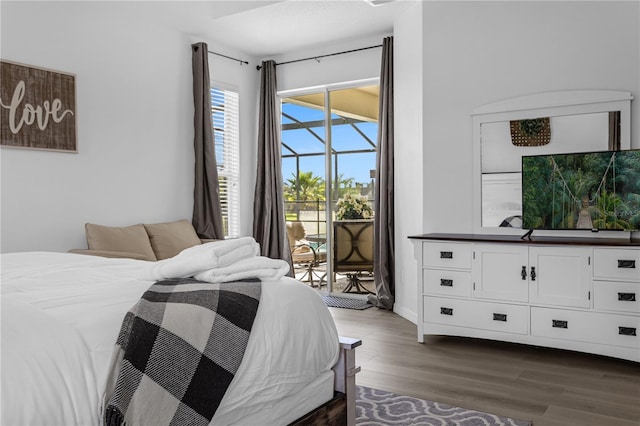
{"x": 446, "y": 283}
{"x": 622, "y": 264}
{"x": 591, "y": 327}
{"x": 481, "y": 315}
{"x": 503, "y": 317}
{"x": 448, "y": 311}
{"x": 446, "y": 255}
{"x": 616, "y": 296}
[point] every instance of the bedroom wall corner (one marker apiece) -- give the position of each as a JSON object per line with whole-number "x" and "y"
{"x": 408, "y": 98}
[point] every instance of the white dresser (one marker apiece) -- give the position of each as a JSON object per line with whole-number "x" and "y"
{"x": 568, "y": 293}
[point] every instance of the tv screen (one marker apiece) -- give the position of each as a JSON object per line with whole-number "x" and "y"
{"x": 590, "y": 190}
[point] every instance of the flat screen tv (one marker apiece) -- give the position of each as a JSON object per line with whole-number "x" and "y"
{"x": 588, "y": 190}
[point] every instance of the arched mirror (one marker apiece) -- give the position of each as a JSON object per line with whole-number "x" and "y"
{"x": 544, "y": 123}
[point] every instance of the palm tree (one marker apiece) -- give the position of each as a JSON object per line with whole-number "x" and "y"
{"x": 304, "y": 187}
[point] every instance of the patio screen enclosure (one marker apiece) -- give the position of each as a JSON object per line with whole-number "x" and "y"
{"x": 328, "y": 152}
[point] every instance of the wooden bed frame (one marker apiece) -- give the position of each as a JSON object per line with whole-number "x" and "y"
{"x": 341, "y": 410}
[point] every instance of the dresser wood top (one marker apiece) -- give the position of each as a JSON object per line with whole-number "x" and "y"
{"x": 543, "y": 240}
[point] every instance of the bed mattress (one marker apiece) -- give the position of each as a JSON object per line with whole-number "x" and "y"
{"x": 61, "y": 314}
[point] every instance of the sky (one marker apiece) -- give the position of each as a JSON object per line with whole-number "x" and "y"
{"x": 344, "y": 138}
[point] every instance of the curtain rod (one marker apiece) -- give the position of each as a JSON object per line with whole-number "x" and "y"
{"x": 259, "y": 67}
{"x": 229, "y": 57}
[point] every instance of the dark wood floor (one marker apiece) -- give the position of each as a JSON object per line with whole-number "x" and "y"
{"x": 548, "y": 386}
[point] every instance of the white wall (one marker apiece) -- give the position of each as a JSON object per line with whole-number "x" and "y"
{"x": 409, "y": 128}
{"x": 479, "y": 52}
{"x": 135, "y": 120}
{"x": 333, "y": 69}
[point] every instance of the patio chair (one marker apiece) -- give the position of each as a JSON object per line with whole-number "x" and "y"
{"x": 353, "y": 252}
{"x": 305, "y": 256}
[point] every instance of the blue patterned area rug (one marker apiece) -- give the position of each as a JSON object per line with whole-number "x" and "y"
{"x": 375, "y": 407}
{"x": 345, "y": 302}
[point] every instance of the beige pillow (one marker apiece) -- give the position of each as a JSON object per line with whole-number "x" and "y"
{"x": 130, "y": 239}
{"x": 169, "y": 239}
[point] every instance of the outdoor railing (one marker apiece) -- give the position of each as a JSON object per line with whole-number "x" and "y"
{"x": 311, "y": 213}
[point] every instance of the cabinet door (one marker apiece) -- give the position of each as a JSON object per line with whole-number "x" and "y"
{"x": 560, "y": 276}
{"x": 497, "y": 272}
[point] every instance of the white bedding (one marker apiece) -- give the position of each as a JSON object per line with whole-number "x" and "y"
{"x": 61, "y": 314}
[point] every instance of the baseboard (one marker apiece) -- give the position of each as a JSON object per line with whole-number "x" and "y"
{"x": 406, "y": 314}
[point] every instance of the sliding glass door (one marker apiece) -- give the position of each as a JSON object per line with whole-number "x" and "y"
{"x": 328, "y": 163}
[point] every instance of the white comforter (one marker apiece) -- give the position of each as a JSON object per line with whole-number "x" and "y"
{"x": 61, "y": 314}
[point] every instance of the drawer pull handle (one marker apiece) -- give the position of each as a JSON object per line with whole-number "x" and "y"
{"x": 446, "y": 283}
{"x": 533, "y": 273}
{"x": 627, "y": 264}
{"x": 446, "y": 255}
{"x": 500, "y": 317}
{"x": 523, "y": 273}
{"x": 560, "y": 324}
{"x": 627, "y": 297}
{"x": 446, "y": 311}
{"x": 627, "y": 331}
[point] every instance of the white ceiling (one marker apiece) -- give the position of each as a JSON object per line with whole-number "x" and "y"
{"x": 271, "y": 28}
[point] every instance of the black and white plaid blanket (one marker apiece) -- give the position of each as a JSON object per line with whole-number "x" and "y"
{"x": 178, "y": 350}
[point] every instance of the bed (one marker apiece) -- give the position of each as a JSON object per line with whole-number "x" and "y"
{"x": 61, "y": 314}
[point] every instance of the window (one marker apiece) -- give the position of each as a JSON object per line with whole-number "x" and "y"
{"x": 226, "y": 136}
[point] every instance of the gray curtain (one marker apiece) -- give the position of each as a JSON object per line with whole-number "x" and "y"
{"x": 384, "y": 257}
{"x": 207, "y": 217}
{"x": 614, "y": 131}
{"x": 269, "y": 227}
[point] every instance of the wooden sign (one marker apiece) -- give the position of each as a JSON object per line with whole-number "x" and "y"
{"x": 37, "y": 108}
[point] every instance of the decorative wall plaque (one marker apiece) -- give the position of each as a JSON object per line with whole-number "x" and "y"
{"x": 37, "y": 108}
{"x": 532, "y": 132}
